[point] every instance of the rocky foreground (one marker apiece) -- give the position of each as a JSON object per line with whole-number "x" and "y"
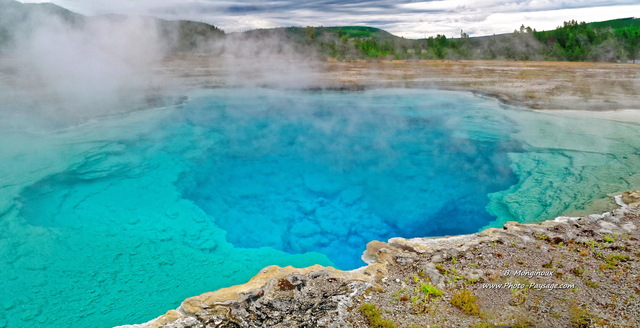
{"x": 571, "y": 272}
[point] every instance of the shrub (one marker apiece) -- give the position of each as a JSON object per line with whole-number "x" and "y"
{"x": 375, "y": 319}
{"x": 430, "y": 290}
{"x": 467, "y": 302}
{"x": 425, "y": 294}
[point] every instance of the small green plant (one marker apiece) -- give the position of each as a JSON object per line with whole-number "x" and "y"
{"x": 372, "y": 314}
{"x": 609, "y": 238}
{"x": 470, "y": 281}
{"x": 591, "y": 284}
{"x": 485, "y": 324}
{"x": 612, "y": 261}
{"x": 424, "y": 294}
{"x": 579, "y": 317}
{"x": 430, "y": 290}
{"x": 466, "y": 302}
{"x": 578, "y": 271}
{"x": 399, "y": 296}
{"x": 454, "y": 260}
{"x": 454, "y": 275}
{"x": 542, "y": 237}
{"x": 522, "y": 322}
{"x": 519, "y": 296}
{"x": 616, "y": 258}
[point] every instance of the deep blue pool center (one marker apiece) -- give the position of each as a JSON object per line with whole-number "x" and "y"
{"x": 331, "y": 172}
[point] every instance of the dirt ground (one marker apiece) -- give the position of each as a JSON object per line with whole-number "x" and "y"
{"x": 535, "y": 85}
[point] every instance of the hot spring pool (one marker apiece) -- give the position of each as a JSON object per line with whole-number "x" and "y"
{"x": 117, "y": 220}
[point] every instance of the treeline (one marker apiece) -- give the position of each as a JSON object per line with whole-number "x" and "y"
{"x": 592, "y": 42}
{"x": 612, "y": 41}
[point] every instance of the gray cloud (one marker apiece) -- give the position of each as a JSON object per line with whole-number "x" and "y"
{"x": 404, "y": 17}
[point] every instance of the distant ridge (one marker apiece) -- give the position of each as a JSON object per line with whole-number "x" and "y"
{"x": 14, "y": 13}
{"x": 348, "y": 31}
{"x": 180, "y": 36}
{"x": 617, "y": 23}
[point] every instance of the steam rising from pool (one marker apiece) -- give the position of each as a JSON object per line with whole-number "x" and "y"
{"x": 112, "y": 221}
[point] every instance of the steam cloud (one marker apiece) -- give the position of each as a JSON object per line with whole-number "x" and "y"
{"x": 75, "y": 69}
{"x": 68, "y": 68}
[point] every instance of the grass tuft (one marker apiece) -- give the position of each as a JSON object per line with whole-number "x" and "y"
{"x": 591, "y": 284}
{"x": 579, "y": 317}
{"x": 375, "y": 319}
{"x": 466, "y": 302}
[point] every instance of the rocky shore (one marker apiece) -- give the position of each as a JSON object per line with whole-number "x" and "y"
{"x": 570, "y": 272}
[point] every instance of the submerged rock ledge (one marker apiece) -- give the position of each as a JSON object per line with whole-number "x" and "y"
{"x": 573, "y": 271}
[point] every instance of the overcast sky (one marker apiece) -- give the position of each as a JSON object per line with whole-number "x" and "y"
{"x": 411, "y": 19}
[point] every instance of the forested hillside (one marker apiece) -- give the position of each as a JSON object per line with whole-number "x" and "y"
{"x": 615, "y": 40}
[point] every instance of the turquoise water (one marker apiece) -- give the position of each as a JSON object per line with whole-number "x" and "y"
{"x": 118, "y": 220}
